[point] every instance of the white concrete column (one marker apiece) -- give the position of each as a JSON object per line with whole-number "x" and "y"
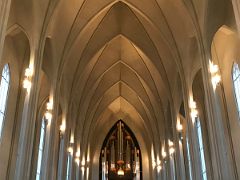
{"x": 60, "y": 159}
{"x": 51, "y": 147}
{"x": 217, "y": 149}
{"x": 236, "y": 9}
{"x": 4, "y": 14}
{"x": 27, "y": 132}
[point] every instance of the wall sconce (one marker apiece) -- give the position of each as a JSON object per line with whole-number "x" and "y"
{"x": 179, "y": 126}
{"x": 77, "y": 157}
{"x": 83, "y": 163}
{"x": 153, "y": 157}
{"x": 164, "y": 154}
{"x": 77, "y": 160}
{"x": 70, "y": 149}
{"x": 62, "y": 128}
{"x": 214, "y": 70}
{"x": 48, "y": 113}
{"x": 154, "y": 163}
{"x": 27, "y": 79}
{"x": 171, "y": 148}
{"x": 159, "y": 167}
{"x": 72, "y": 139}
{"x": 193, "y": 107}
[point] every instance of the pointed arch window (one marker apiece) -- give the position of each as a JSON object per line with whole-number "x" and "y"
{"x": 4, "y": 87}
{"x": 236, "y": 84}
{"x": 201, "y": 149}
{"x": 189, "y": 159}
{"x": 41, "y": 148}
{"x": 69, "y": 166}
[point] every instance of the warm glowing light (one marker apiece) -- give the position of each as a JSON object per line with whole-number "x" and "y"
{"x": 83, "y": 171}
{"x": 193, "y": 107}
{"x": 48, "y": 115}
{"x": 72, "y": 139}
{"x": 128, "y": 166}
{"x": 87, "y": 173}
{"x": 63, "y": 127}
{"x": 158, "y": 161}
{"x": 83, "y": 162}
{"x": 164, "y": 154}
{"x": 27, "y": 84}
{"x": 77, "y": 160}
{"x": 50, "y": 105}
{"x": 194, "y": 113}
{"x": 120, "y": 172}
{"x": 214, "y": 70}
{"x": 170, "y": 143}
{"x": 171, "y": 150}
{"x": 88, "y": 154}
{"x": 179, "y": 126}
{"x": 192, "y": 104}
{"x": 27, "y": 79}
{"x": 215, "y": 80}
{"x": 70, "y": 150}
{"x": 154, "y": 164}
{"x": 28, "y": 72}
{"x": 159, "y": 168}
{"x": 77, "y": 153}
{"x": 153, "y": 157}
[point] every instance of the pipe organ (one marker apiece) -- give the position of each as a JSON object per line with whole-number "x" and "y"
{"x": 120, "y": 156}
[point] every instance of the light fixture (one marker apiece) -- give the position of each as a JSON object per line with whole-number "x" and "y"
{"x": 170, "y": 143}
{"x": 48, "y": 113}
{"x": 70, "y": 149}
{"x": 77, "y": 157}
{"x": 192, "y": 104}
{"x": 193, "y": 108}
{"x": 164, "y": 154}
{"x": 153, "y": 157}
{"x": 194, "y": 113}
{"x": 120, "y": 172}
{"x": 83, "y": 163}
{"x": 62, "y": 128}
{"x": 214, "y": 70}
{"x": 159, "y": 167}
{"x": 171, "y": 148}
{"x": 72, "y": 138}
{"x": 27, "y": 79}
{"x": 77, "y": 160}
{"x": 154, "y": 163}
{"x": 78, "y": 153}
{"x": 179, "y": 126}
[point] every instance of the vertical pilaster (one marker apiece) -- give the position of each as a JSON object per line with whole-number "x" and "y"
{"x": 218, "y": 154}
{"x": 4, "y": 14}
{"x": 236, "y": 9}
{"x": 27, "y": 132}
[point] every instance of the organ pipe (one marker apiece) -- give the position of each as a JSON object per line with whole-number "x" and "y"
{"x": 112, "y": 156}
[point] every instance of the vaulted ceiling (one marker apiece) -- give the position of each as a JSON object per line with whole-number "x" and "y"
{"x": 120, "y": 58}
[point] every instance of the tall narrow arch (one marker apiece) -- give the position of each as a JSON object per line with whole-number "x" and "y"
{"x": 4, "y": 88}
{"x": 236, "y": 85}
{"x": 120, "y": 156}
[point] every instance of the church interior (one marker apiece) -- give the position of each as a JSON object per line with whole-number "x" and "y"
{"x": 120, "y": 89}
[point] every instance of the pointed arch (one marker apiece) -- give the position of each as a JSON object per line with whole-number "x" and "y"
{"x": 236, "y": 85}
{"x": 4, "y": 88}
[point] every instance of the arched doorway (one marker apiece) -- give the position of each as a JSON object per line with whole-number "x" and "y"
{"x": 120, "y": 156}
